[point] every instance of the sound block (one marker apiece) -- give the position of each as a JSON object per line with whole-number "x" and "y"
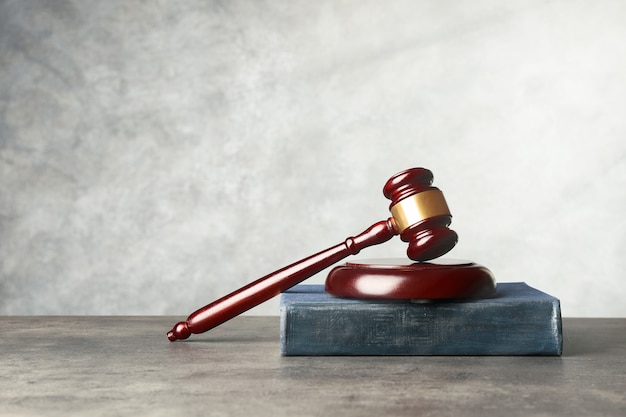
{"x": 400, "y": 279}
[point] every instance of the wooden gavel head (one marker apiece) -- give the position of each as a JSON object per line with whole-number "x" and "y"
{"x": 420, "y": 214}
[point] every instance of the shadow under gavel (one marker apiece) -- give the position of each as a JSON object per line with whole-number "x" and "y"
{"x": 420, "y": 215}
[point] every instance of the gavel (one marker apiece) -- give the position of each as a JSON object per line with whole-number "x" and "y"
{"x": 419, "y": 214}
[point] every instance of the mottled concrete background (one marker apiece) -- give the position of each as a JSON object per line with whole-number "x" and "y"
{"x": 156, "y": 155}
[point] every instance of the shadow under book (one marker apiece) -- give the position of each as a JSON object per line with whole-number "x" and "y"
{"x": 518, "y": 320}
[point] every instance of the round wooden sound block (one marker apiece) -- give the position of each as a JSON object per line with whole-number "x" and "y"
{"x": 403, "y": 279}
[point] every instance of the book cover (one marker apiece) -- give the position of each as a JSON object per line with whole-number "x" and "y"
{"x": 518, "y": 320}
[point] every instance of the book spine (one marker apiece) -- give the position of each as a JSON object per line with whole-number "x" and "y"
{"x": 361, "y": 328}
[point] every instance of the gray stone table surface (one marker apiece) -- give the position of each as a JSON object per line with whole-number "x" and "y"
{"x": 106, "y": 366}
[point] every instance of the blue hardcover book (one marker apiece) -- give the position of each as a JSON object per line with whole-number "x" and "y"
{"x": 519, "y": 320}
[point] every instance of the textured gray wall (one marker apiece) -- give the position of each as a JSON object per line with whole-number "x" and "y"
{"x": 157, "y": 155}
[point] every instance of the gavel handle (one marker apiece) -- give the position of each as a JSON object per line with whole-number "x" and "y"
{"x": 273, "y": 284}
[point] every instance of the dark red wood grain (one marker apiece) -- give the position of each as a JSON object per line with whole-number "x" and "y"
{"x": 406, "y": 183}
{"x": 273, "y": 284}
{"x": 428, "y": 238}
{"x": 405, "y": 280}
